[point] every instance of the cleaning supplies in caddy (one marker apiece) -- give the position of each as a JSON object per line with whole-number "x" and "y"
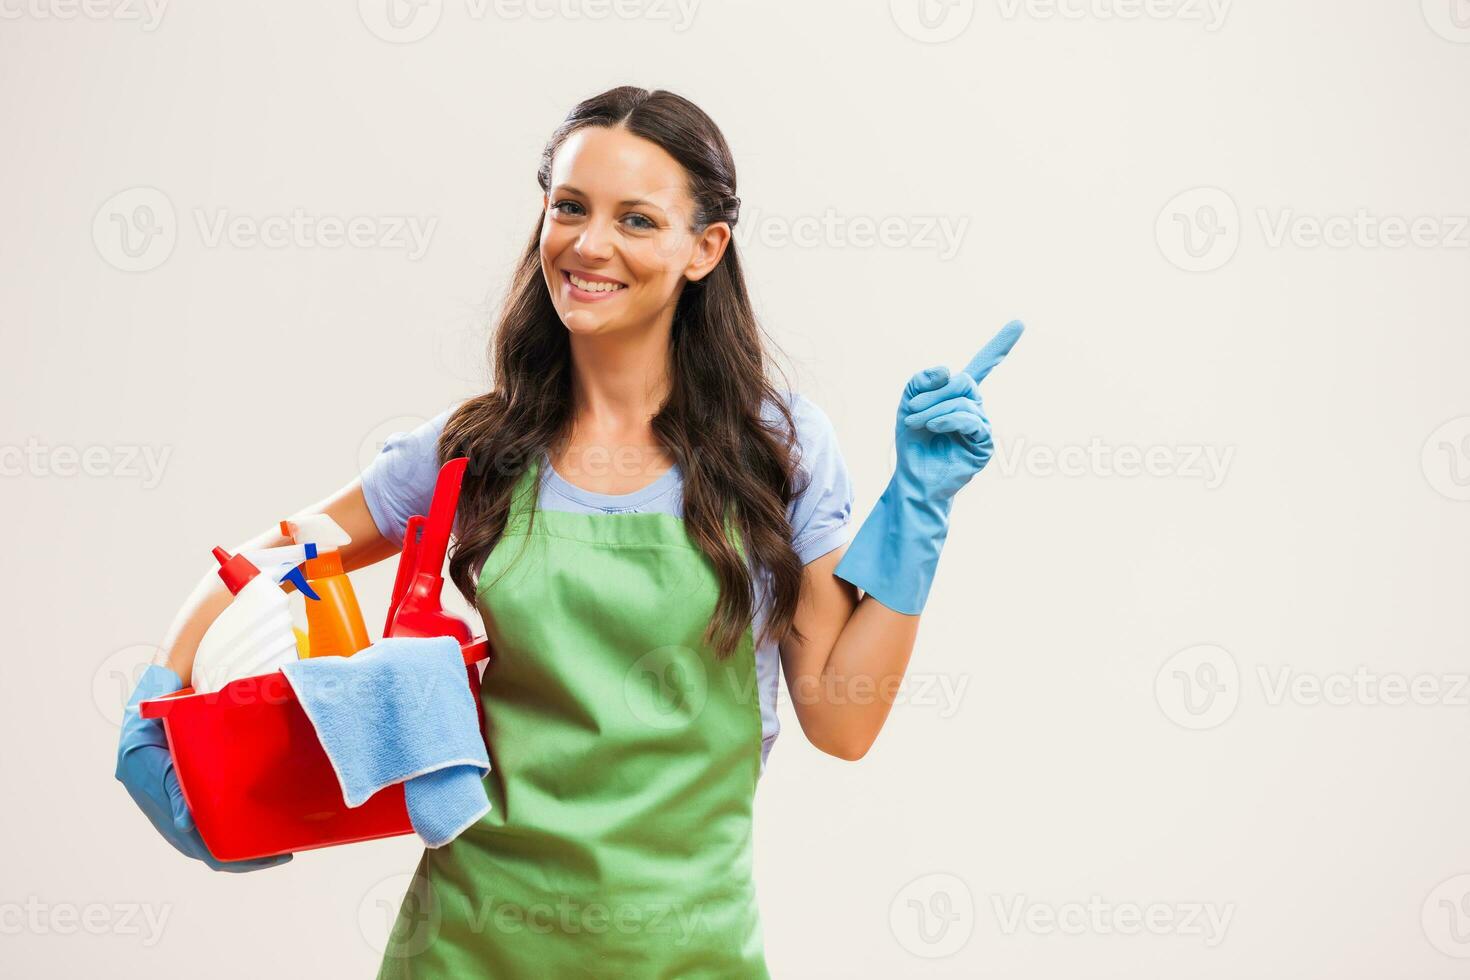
{"x": 400, "y": 712}
{"x": 253, "y": 635}
{"x": 334, "y": 620}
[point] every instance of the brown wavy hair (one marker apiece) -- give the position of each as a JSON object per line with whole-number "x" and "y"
{"x": 737, "y": 464}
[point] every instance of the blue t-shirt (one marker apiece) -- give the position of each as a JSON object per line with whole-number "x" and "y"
{"x": 399, "y": 482}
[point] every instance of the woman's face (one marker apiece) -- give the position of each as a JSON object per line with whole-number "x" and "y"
{"x": 616, "y": 244}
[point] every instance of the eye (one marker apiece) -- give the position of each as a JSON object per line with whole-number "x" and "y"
{"x": 647, "y": 223}
{"x": 559, "y": 205}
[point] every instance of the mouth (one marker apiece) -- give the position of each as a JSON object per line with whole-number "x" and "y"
{"x": 589, "y": 288}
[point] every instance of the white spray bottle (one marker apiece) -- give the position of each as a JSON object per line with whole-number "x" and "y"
{"x": 290, "y": 563}
{"x": 252, "y": 636}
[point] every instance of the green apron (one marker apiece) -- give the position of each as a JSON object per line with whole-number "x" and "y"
{"x": 624, "y": 761}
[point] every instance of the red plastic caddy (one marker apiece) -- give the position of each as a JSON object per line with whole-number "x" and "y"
{"x": 248, "y": 761}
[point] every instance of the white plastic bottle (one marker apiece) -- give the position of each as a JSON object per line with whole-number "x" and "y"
{"x": 289, "y": 564}
{"x": 252, "y": 636}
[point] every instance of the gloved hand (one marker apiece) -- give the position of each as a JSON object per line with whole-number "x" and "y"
{"x": 145, "y": 767}
{"x": 943, "y": 440}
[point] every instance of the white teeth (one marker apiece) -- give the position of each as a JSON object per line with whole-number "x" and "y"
{"x": 594, "y": 287}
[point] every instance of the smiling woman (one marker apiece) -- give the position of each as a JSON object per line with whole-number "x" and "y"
{"x": 629, "y": 326}
{"x": 642, "y": 613}
{"x": 653, "y": 532}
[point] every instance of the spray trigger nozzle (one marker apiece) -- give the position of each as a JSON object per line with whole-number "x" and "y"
{"x": 298, "y": 578}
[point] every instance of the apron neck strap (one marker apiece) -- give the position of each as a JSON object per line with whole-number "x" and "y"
{"x": 524, "y": 491}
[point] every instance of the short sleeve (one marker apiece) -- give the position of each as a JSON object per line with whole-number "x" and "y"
{"x": 821, "y": 512}
{"x": 399, "y": 481}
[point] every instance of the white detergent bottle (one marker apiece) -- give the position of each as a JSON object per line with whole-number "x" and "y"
{"x": 252, "y": 636}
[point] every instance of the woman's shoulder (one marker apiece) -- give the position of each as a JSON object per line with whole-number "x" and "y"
{"x": 814, "y": 433}
{"x": 820, "y": 512}
{"x": 399, "y": 480}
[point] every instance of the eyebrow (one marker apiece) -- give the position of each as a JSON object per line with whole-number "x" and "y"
{"x": 630, "y": 203}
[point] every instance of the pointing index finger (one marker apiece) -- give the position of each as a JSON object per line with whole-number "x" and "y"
{"x": 995, "y": 351}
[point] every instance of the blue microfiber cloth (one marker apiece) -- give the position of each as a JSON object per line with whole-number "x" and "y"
{"x": 400, "y": 711}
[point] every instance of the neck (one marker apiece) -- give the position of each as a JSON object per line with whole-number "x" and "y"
{"x": 619, "y": 380}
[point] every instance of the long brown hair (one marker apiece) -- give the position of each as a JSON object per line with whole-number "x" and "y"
{"x": 735, "y": 462}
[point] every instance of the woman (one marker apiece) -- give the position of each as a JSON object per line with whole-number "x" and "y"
{"x": 649, "y": 527}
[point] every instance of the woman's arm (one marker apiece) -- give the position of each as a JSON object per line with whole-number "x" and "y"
{"x": 844, "y": 677}
{"x": 347, "y": 507}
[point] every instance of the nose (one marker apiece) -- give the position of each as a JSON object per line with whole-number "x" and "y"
{"x": 595, "y": 242}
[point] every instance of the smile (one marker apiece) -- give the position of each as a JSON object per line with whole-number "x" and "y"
{"x": 591, "y": 289}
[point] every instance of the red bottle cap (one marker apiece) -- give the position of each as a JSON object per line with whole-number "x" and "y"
{"x": 235, "y": 571}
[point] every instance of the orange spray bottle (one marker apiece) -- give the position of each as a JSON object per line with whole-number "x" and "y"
{"x": 334, "y": 623}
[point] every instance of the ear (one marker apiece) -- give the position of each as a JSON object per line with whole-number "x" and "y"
{"x": 709, "y": 248}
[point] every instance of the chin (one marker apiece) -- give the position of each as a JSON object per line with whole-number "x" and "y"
{"x": 587, "y": 322}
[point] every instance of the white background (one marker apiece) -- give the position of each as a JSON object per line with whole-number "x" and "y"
{"x": 1077, "y": 758}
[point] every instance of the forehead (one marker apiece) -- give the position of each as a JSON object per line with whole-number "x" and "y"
{"x": 616, "y": 165}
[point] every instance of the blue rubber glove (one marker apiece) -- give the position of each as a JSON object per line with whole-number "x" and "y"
{"x": 145, "y": 767}
{"x": 943, "y": 440}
